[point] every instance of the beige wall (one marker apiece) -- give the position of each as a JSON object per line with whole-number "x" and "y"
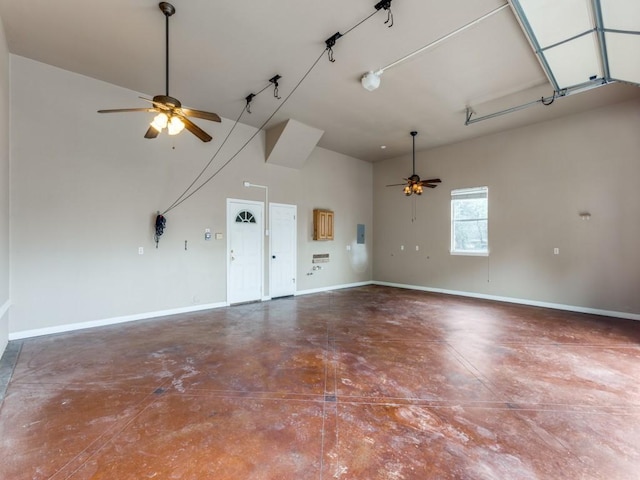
{"x": 4, "y": 190}
{"x": 85, "y": 189}
{"x": 539, "y": 177}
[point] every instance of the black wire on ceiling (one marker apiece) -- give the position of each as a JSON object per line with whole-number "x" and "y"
{"x": 246, "y": 108}
{"x": 248, "y": 141}
{"x": 330, "y": 43}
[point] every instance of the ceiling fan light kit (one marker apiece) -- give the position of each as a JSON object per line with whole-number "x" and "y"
{"x": 413, "y": 185}
{"x": 170, "y": 113}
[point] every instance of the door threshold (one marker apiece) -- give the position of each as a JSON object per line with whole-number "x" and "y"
{"x": 245, "y": 303}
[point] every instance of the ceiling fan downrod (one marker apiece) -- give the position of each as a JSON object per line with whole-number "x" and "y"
{"x": 413, "y": 135}
{"x": 168, "y": 10}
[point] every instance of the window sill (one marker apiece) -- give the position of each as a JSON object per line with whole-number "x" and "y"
{"x": 470, "y": 254}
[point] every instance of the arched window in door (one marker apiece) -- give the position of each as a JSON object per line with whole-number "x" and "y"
{"x": 245, "y": 216}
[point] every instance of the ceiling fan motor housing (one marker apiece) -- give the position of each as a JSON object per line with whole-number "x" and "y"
{"x": 167, "y": 101}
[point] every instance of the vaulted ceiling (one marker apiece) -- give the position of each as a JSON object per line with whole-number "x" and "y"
{"x": 220, "y": 52}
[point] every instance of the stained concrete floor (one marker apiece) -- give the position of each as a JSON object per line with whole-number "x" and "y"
{"x": 370, "y": 383}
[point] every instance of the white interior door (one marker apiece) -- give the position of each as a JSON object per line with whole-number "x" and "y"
{"x": 245, "y": 250}
{"x": 283, "y": 235}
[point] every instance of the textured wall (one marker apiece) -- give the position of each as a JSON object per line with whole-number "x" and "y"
{"x": 85, "y": 188}
{"x": 540, "y": 178}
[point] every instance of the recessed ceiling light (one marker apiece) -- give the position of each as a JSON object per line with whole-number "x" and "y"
{"x": 383, "y": 146}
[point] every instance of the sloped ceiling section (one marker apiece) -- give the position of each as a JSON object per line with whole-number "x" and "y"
{"x": 221, "y": 52}
{"x": 290, "y": 143}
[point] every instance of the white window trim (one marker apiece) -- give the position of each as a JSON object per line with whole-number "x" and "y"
{"x": 468, "y": 253}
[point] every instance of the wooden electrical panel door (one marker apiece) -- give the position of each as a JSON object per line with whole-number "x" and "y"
{"x": 322, "y": 224}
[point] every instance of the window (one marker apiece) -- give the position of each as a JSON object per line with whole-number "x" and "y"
{"x": 245, "y": 216}
{"x": 469, "y": 221}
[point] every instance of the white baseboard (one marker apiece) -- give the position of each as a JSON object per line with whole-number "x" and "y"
{"x": 149, "y": 315}
{"x": 333, "y": 287}
{"x": 111, "y": 321}
{"x": 533, "y": 303}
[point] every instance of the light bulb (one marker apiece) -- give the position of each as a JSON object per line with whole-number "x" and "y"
{"x": 371, "y": 80}
{"x": 160, "y": 121}
{"x": 175, "y": 126}
{"x": 407, "y": 190}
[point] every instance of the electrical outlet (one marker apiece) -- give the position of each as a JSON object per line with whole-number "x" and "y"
{"x": 556, "y": 251}
{"x": 140, "y": 250}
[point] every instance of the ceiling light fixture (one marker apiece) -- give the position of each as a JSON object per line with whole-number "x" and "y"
{"x": 371, "y": 80}
{"x": 413, "y": 184}
{"x": 171, "y": 114}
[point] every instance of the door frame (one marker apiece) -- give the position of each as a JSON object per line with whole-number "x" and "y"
{"x": 230, "y": 221}
{"x": 295, "y": 245}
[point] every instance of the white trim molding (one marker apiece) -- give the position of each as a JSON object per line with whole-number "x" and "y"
{"x": 162, "y": 313}
{"x": 521, "y": 301}
{"x": 111, "y": 321}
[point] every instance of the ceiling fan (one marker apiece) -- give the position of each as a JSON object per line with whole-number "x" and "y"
{"x": 171, "y": 113}
{"x": 413, "y": 184}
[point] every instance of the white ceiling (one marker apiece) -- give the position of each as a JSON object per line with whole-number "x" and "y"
{"x": 222, "y": 51}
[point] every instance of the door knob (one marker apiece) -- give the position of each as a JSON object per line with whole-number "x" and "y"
{"x": 273, "y": 256}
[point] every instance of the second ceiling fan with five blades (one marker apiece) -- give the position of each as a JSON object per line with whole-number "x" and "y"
{"x": 170, "y": 112}
{"x": 413, "y": 184}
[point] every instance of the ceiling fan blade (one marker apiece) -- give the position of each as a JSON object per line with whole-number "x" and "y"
{"x": 395, "y": 185}
{"x": 151, "y": 133}
{"x": 214, "y": 117}
{"x": 196, "y": 130}
{"x": 433, "y": 180}
{"x": 428, "y": 185}
{"x": 115, "y": 110}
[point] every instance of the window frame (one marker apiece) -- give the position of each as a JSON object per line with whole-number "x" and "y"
{"x": 460, "y": 192}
